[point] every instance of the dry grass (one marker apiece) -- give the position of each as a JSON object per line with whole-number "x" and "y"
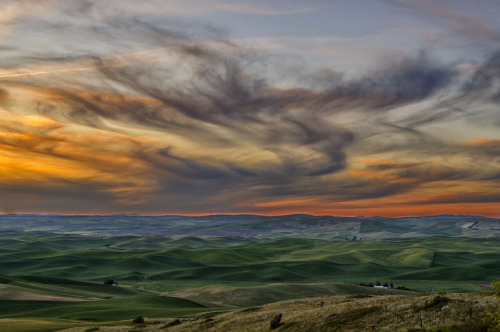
{"x": 450, "y": 312}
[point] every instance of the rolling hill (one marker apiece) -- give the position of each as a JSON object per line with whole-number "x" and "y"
{"x": 53, "y": 268}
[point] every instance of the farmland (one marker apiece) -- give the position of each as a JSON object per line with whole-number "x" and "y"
{"x": 53, "y": 273}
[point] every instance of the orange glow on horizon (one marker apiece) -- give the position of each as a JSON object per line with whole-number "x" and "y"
{"x": 484, "y": 209}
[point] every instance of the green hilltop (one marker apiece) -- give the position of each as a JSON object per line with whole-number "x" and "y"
{"x": 54, "y": 268}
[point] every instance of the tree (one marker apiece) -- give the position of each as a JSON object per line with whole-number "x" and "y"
{"x": 138, "y": 320}
{"x": 276, "y": 322}
{"x": 110, "y": 282}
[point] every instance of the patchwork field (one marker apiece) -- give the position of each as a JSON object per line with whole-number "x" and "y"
{"x": 52, "y": 275}
{"x": 463, "y": 260}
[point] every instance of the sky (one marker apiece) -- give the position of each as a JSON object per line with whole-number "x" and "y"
{"x": 346, "y": 108}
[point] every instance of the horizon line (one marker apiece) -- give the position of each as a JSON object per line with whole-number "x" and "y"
{"x": 242, "y": 214}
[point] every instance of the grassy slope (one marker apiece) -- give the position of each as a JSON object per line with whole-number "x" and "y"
{"x": 467, "y": 260}
{"x": 37, "y": 324}
{"x": 84, "y": 301}
{"x": 107, "y": 310}
{"x": 257, "y": 295}
{"x": 70, "y": 289}
{"x": 239, "y": 272}
{"x": 457, "y": 312}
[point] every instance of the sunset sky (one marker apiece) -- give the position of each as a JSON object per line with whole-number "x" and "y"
{"x": 347, "y": 108}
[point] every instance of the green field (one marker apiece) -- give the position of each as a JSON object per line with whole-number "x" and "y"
{"x": 462, "y": 260}
{"x": 52, "y": 280}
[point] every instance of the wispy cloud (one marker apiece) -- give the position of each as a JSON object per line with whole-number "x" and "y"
{"x": 259, "y": 7}
{"x": 462, "y": 20}
{"x": 169, "y": 116}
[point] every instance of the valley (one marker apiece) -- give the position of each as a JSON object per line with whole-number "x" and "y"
{"x": 55, "y": 274}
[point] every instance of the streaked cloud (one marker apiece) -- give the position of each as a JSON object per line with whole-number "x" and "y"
{"x": 134, "y": 112}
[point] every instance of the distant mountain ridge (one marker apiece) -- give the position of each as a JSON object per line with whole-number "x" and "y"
{"x": 256, "y": 226}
